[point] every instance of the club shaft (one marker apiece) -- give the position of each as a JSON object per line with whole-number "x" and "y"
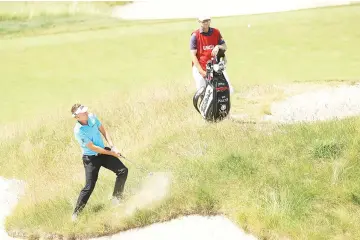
{"x": 136, "y": 165}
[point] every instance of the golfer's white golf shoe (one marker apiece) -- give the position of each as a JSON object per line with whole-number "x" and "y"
{"x": 74, "y": 217}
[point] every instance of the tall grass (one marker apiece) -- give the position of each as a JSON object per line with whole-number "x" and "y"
{"x": 297, "y": 181}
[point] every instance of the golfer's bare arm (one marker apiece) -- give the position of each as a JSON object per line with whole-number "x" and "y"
{"x": 97, "y": 149}
{"x": 106, "y": 135}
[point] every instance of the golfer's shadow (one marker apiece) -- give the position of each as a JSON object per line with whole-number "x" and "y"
{"x": 97, "y": 208}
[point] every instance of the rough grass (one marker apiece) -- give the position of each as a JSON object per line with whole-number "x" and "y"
{"x": 289, "y": 181}
{"x": 298, "y": 182}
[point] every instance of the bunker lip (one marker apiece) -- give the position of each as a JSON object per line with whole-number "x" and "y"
{"x": 187, "y": 227}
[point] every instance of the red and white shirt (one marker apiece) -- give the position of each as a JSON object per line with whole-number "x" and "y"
{"x": 204, "y": 42}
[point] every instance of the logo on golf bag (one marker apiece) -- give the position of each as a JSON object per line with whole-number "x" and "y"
{"x": 207, "y": 101}
{"x": 213, "y": 100}
{"x": 223, "y": 99}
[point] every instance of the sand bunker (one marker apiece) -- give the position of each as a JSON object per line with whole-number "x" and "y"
{"x": 189, "y": 228}
{"x": 10, "y": 191}
{"x": 328, "y": 103}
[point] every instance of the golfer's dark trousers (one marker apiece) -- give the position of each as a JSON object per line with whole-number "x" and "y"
{"x": 92, "y": 166}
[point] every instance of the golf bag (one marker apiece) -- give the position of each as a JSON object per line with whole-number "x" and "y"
{"x": 213, "y": 100}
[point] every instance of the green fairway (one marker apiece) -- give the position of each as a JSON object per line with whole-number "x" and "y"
{"x": 296, "y": 181}
{"x": 45, "y": 70}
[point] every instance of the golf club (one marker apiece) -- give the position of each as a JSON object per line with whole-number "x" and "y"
{"x": 136, "y": 165}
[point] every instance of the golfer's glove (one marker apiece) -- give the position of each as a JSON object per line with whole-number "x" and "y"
{"x": 114, "y": 149}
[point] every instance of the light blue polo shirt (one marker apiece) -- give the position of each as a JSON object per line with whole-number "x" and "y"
{"x": 90, "y": 132}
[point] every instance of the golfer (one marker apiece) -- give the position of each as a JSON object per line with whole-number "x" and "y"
{"x": 205, "y": 43}
{"x": 95, "y": 155}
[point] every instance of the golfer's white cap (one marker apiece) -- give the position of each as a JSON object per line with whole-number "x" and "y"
{"x": 80, "y": 109}
{"x": 203, "y": 18}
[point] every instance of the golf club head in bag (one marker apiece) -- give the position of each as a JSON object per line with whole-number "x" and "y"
{"x": 213, "y": 100}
